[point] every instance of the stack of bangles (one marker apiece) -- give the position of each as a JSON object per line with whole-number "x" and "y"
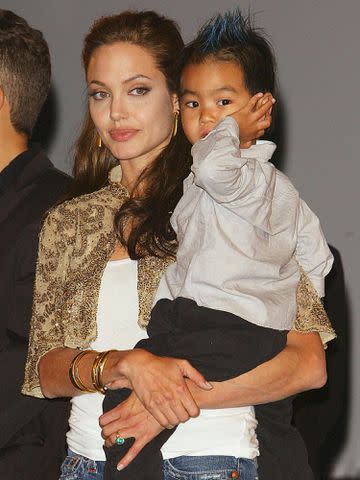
{"x": 96, "y": 371}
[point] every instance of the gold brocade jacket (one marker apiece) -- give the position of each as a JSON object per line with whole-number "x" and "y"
{"x": 76, "y": 242}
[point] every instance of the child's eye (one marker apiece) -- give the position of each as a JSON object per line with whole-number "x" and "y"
{"x": 192, "y": 104}
{"x": 139, "y": 91}
{"x": 223, "y": 102}
{"x": 98, "y": 95}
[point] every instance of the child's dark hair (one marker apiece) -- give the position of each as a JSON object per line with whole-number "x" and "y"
{"x": 232, "y": 37}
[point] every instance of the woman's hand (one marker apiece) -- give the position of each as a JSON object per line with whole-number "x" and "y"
{"x": 160, "y": 385}
{"x": 129, "y": 419}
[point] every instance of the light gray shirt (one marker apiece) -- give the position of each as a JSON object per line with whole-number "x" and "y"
{"x": 242, "y": 230}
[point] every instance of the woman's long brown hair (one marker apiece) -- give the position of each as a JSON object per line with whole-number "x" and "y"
{"x": 161, "y": 182}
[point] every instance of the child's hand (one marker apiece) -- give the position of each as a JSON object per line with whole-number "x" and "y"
{"x": 254, "y": 118}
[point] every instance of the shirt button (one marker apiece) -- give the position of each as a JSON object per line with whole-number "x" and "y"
{"x": 234, "y": 474}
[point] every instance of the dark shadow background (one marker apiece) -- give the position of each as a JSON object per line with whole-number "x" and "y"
{"x": 46, "y": 127}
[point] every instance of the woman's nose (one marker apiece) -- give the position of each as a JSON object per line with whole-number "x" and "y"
{"x": 118, "y": 109}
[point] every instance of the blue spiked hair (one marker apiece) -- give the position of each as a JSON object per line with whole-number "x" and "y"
{"x": 231, "y": 37}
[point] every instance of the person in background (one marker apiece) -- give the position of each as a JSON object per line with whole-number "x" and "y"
{"x": 32, "y": 431}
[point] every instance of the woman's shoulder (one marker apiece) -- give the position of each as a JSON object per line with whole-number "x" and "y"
{"x": 90, "y": 206}
{"x": 83, "y": 202}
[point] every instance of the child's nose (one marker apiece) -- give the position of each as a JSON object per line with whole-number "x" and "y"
{"x": 207, "y": 115}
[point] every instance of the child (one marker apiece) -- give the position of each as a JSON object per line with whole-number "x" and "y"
{"x": 244, "y": 236}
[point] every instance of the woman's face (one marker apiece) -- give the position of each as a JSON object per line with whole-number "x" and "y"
{"x": 129, "y": 102}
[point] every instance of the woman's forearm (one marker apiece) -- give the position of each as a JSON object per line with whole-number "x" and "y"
{"x": 54, "y": 371}
{"x": 300, "y": 366}
{"x": 158, "y": 382}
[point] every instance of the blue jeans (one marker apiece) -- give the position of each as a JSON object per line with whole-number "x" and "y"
{"x": 210, "y": 468}
{"x": 77, "y": 467}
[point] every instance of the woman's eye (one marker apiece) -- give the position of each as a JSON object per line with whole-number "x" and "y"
{"x": 98, "y": 95}
{"x": 192, "y": 104}
{"x": 139, "y": 91}
{"x": 224, "y": 101}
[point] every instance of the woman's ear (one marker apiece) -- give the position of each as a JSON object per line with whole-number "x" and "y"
{"x": 2, "y": 98}
{"x": 175, "y": 102}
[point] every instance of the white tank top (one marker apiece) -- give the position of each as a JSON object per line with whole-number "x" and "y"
{"x": 117, "y": 329}
{"x": 227, "y": 431}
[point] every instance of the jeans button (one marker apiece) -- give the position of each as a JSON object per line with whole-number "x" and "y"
{"x": 234, "y": 474}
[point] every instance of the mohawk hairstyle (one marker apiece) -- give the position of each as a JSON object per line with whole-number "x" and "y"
{"x": 232, "y": 37}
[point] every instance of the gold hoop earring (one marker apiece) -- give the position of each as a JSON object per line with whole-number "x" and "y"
{"x": 175, "y": 129}
{"x": 99, "y": 143}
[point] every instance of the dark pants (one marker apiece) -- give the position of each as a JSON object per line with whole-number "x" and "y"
{"x": 221, "y": 346}
{"x": 37, "y": 450}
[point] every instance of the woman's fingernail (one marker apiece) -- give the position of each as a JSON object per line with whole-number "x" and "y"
{"x": 120, "y": 467}
{"x": 208, "y": 385}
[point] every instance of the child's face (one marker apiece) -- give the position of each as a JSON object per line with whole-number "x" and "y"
{"x": 210, "y": 91}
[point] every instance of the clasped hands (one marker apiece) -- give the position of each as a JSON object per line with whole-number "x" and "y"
{"x": 160, "y": 399}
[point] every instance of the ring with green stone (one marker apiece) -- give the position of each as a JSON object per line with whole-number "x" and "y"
{"x": 119, "y": 439}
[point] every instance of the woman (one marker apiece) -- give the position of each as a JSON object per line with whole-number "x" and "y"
{"x": 96, "y": 278}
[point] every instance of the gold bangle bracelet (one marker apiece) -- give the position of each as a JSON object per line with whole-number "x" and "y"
{"x": 74, "y": 372}
{"x": 97, "y": 370}
{"x": 74, "y": 378}
{"x": 77, "y": 375}
{"x": 94, "y": 372}
{"x": 101, "y": 367}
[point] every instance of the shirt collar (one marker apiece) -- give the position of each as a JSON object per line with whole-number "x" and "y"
{"x": 16, "y": 167}
{"x": 263, "y": 150}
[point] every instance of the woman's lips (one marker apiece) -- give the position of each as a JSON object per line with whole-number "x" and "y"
{"x": 122, "y": 134}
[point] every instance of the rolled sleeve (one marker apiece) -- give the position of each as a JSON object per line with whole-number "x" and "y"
{"x": 312, "y": 251}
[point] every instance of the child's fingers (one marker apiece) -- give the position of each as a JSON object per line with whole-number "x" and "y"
{"x": 264, "y": 109}
{"x": 269, "y": 112}
{"x": 251, "y": 105}
{"x": 263, "y": 125}
{"x": 262, "y": 100}
{"x": 267, "y": 96}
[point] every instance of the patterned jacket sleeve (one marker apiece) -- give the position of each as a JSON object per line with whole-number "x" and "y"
{"x": 311, "y": 315}
{"x": 47, "y": 329}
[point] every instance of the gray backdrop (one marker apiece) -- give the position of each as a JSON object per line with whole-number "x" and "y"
{"x": 316, "y": 43}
